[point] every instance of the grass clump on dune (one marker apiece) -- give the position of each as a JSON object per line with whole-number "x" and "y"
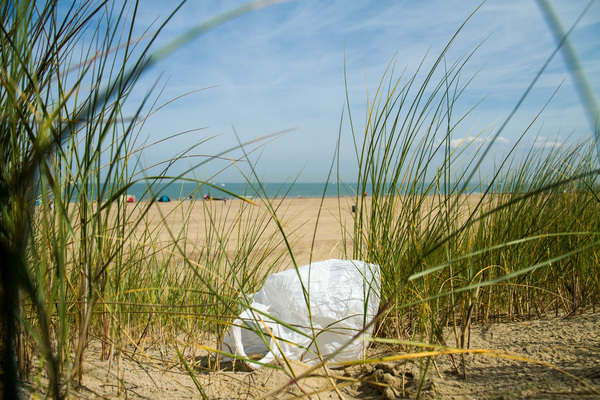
{"x": 452, "y": 252}
{"x": 78, "y": 263}
{"x": 81, "y": 267}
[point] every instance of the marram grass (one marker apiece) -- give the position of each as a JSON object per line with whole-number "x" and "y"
{"x": 79, "y": 266}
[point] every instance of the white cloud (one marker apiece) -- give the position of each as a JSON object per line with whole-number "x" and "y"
{"x": 283, "y": 67}
{"x": 547, "y": 143}
{"x": 477, "y": 141}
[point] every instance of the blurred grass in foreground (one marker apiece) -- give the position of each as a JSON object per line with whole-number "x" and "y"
{"x": 83, "y": 271}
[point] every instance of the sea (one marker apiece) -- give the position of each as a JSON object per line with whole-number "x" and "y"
{"x": 229, "y": 190}
{"x": 220, "y": 190}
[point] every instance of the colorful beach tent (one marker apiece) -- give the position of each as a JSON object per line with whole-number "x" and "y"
{"x": 164, "y": 199}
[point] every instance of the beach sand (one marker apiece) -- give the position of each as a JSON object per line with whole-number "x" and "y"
{"x": 555, "y": 357}
{"x": 313, "y": 226}
{"x": 317, "y": 229}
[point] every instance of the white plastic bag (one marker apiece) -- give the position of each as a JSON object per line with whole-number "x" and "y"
{"x": 343, "y": 296}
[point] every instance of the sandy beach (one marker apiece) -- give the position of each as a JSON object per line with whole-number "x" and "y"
{"x": 317, "y": 229}
{"x": 313, "y": 226}
{"x": 552, "y": 357}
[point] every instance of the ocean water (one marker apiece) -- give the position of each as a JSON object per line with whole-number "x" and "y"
{"x": 183, "y": 190}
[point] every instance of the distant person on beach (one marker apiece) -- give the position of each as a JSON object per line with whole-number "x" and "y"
{"x": 207, "y": 197}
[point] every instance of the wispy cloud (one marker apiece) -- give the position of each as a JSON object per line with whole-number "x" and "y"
{"x": 477, "y": 141}
{"x": 547, "y": 143}
{"x": 283, "y": 67}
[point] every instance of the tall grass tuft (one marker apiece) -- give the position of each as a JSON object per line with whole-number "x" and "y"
{"x": 76, "y": 261}
{"x": 453, "y": 252}
{"x": 66, "y": 150}
{"x": 80, "y": 267}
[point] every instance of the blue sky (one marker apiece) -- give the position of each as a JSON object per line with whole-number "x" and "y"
{"x": 282, "y": 68}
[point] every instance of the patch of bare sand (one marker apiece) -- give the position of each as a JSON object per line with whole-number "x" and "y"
{"x": 317, "y": 229}
{"x": 313, "y": 226}
{"x": 554, "y": 358}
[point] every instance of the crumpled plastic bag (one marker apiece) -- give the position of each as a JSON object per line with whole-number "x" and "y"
{"x": 343, "y": 296}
